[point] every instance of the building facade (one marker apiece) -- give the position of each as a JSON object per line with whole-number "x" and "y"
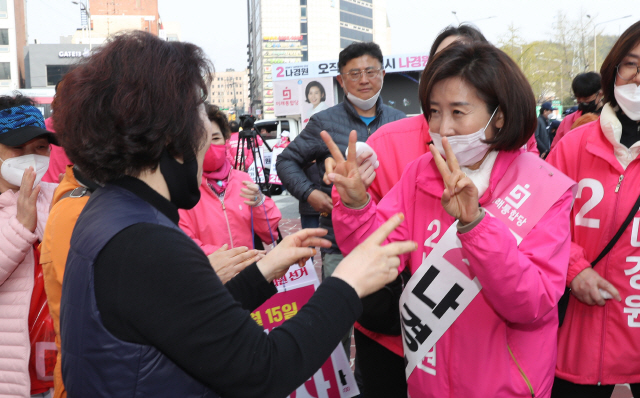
{"x": 230, "y": 91}
{"x": 13, "y": 38}
{"x": 290, "y": 31}
{"x": 102, "y": 18}
{"x": 46, "y": 64}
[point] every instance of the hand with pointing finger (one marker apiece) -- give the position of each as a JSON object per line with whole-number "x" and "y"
{"x": 370, "y": 266}
{"x": 366, "y": 168}
{"x": 460, "y": 196}
{"x": 346, "y": 177}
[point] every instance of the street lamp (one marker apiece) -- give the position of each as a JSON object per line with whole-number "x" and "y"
{"x": 594, "y": 38}
{"x": 456, "y": 15}
{"x": 86, "y": 12}
{"x": 482, "y": 19}
{"x": 561, "y": 71}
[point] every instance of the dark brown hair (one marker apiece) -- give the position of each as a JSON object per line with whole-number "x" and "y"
{"x": 629, "y": 39}
{"x": 218, "y": 117}
{"x": 135, "y": 96}
{"x": 469, "y": 32}
{"x": 498, "y": 82}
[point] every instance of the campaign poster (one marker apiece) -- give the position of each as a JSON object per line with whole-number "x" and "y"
{"x": 304, "y": 97}
{"x": 334, "y": 379}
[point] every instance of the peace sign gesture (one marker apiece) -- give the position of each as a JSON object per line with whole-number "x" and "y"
{"x": 460, "y": 196}
{"x": 345, "y": 176}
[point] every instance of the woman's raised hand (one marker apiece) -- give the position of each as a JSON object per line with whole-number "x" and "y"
{"x": 27, "y": 212}
{"x": 370, "y": 265}
{"x": 460, "y": 196}
{"x": 291, "y": 250}
{"x": 345, "y": 176}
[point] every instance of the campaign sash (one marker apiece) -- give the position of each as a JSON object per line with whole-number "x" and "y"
{"x": 439, "y": 291}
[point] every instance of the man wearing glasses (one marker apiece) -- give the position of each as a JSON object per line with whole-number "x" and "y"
{"x": 361, "y": 76}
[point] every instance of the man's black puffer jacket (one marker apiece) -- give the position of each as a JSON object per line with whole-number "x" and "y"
{"x": 338, "y": 121}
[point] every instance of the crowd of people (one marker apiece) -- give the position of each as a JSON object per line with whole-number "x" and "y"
{"x": 478, "y": 249}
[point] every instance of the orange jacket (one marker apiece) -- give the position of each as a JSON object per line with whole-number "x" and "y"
{"x": 53, "y": 257}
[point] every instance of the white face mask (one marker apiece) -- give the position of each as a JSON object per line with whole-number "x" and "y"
{"x": 469, "y": 149}
{"x": 628, "y": 97}
{"x": 365, "y": 105}
{"x": 12, "y": 169}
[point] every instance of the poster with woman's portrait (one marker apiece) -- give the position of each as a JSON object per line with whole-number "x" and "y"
{"x": 304, "y": 97}
{"x": 318, "y": 96}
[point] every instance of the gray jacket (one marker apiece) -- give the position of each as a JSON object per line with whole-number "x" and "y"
{"x": 338, "y": 121}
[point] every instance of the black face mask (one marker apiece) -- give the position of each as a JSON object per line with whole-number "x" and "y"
{"x": 588, "y": 107}
{"x": 182, "y": 180}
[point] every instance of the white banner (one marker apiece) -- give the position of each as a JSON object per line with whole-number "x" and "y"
{"x": 434, "y": 298}
{"x": 314, "y": 69}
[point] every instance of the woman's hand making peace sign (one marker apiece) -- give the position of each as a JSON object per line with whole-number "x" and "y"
{"x": 460, "y": 196}
{"x": 345, "y": 176}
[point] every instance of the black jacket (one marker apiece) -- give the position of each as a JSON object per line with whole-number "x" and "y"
{"x": 542, "y": 135}
{"x": 338, "y": 121}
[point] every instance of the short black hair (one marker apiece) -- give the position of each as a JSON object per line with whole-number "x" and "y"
{"x": 468, "y": 31}
{"x": 218, "y": 117}
{"x": 234, "y": 126}
{"x": 358, "y": 49}
{"x": 498, "y": 82}
{"x": 320, "y": 87}
{"x": 586, "y": 84}
{"x": 7, "y": 101}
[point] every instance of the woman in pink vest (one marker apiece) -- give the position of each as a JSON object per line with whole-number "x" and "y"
{"x": 231, "y": 208}
{"x": 492, "y": 222}
{"x": 599, "y": 342}
{"x": 396, "y": 145}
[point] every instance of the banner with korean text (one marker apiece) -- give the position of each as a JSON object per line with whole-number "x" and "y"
{"x": 315, "y": 69}
{"x": 334, "y": 379}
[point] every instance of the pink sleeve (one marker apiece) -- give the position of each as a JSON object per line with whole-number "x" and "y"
{"x": 190, "y": 227}
{"x": 564, "y": 126}
{"x": 15, "y": 243}
{"x": 352, "y": 226}
{"x": 563, "y": 158}
{"x": 269, "y": 211}
{"x": 577, "y": 262}
{"x": 522, "y": 283}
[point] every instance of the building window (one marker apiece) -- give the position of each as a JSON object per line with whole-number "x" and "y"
{"x": 355, "y": 35}
{"x": 356, "y": 9}
{"x": 55, "y": 73}
{"x": 356, "y": 20}
{"x": 5, "y": 71}
{"x": 303, "y": 11}
{"x": 3, "y": 9}
{"x": 4, "y": 37}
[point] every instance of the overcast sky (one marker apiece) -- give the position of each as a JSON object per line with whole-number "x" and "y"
{"x": 220, "y": 27}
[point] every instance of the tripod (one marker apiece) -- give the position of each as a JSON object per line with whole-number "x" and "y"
{"x": 249, "y": 140}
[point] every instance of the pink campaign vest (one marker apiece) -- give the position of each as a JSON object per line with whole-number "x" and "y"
{"x": 523, "y": 196}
